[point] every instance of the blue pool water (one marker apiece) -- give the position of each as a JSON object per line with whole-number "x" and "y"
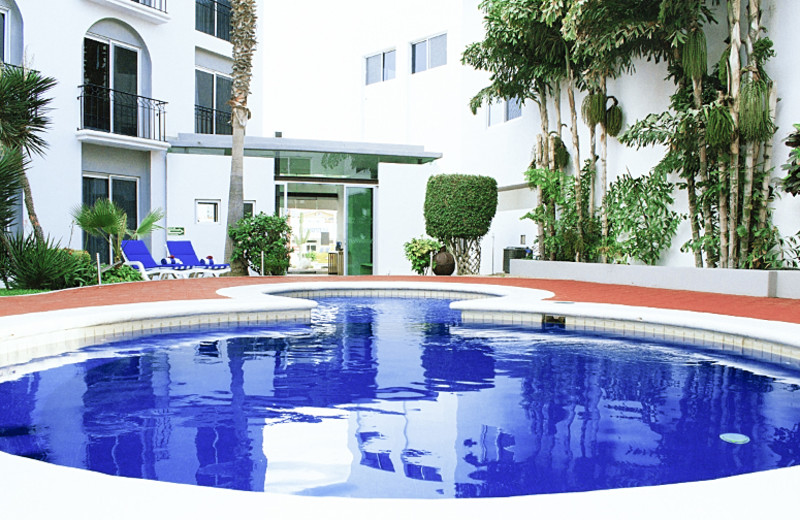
{"x": 396, "y": 398}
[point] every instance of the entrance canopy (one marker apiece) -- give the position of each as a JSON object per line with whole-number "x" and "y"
{"x": 307, "y": 159}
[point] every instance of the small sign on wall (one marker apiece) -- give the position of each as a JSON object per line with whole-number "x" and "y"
{"x": 176, "y": 231}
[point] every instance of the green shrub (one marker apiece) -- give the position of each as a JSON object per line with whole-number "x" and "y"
{"x": 418, "y": 251}
{"x": 458, "y": 211}
{"x": 459, "y": 206}
{"x": 122, "y": 273}
{"x": 34, "y": 264}
{"x": 262, "y": 233}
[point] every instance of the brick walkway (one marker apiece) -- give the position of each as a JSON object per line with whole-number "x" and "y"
{"x": 205, "y": 288}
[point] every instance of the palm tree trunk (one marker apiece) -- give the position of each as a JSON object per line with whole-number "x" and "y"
{"x": 763, "y": 211}
{"x": 243, "y": 38}
{"x": 723, "y": 215}
{"x": 28, "y": 196}
{"x": 543, "y": 160}
{"x": 702, "y": 153}
{"x": 692, "y": 194}
{"x": 603, "y": 175}
{"x": 576, "y": 154}
{"x": 734, "y": 83}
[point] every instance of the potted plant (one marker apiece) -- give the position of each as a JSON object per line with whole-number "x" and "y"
{"x": 419, "y": 251}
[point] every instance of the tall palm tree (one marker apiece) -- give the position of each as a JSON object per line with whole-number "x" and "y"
{"x": 23, "y": 119}
{"x": 243, "y": 38}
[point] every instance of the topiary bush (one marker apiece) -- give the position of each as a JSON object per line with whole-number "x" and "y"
{"x": 458, "y": 211}
{"x": 267, "y": 233}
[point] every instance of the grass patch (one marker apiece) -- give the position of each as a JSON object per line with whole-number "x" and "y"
{"x": 17, "y": 292}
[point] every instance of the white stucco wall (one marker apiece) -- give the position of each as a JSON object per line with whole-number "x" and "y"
{"x": 201, "y": 177}
{"x": 430, "y": 108}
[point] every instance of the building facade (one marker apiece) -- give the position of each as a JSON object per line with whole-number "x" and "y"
{"x": 392, "y": 71}
{"x": 140, "y": 116}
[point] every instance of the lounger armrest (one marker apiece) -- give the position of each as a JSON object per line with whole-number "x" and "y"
{"x": 142, "y": 271}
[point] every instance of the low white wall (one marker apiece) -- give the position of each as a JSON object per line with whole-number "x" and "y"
{"x": 780, "y": 284}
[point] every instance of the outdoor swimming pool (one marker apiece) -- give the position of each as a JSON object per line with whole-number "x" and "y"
{"x": 396, "y": 398}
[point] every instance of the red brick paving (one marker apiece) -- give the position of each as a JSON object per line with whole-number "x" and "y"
{"x": 778, "y": 309}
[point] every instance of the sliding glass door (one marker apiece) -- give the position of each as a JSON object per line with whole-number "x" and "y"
{"x": 359, "y": 204}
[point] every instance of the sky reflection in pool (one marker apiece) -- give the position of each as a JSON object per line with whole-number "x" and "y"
{"x": 395, "y": 398}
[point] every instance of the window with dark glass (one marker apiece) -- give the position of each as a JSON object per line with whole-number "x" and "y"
{"x": 110, "y": 90}
{"x": 430, "y": 53}
{"x": 2, "y": 36}
{"x": 212, "y": 111}
{"x": 124, "y": 193}
{"x": 214, "y": 18}
{"x": 381, "y": 67}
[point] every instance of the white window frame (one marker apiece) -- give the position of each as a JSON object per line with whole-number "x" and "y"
{"x": 427, "y": 53}
{"x": 4, "y": 58}
{"x": 116, "y": 43}
{"x": 382, "y": 55}
{"x": 109, "y": 177}
{"x": 198, "y": 202}
{"x": 214, "y": 75}
{"x": 502, "y": 109}
{"x": 252, "y": 203}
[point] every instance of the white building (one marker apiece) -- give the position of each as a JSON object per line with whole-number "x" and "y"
{"x": 418, "y": 93}
{"x": 141, "y": 91}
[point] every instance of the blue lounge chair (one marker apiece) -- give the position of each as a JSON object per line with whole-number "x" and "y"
{"x": 138, "y": 256}
{"x": 183, "y": 251}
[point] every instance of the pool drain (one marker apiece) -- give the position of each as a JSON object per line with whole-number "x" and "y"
{"x": 735, "y": 438}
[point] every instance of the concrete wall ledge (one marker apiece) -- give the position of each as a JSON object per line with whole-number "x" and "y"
{"x": 744, "y": 282}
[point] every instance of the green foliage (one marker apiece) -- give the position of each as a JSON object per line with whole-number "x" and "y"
{"x": 419, "y": 251}
{"x": 107, "y": 220}
{"x": 791, "y": 183}
{"x": 558, "y": 214}
{"x": 36, "y": 264}
{"x": 23, "y": 109}
{"x": 639, "y": 213}
{"x": 719, "y": 125}
{"x": 459, "y": 206}
{"x": 11, "y": 171}
{"x": 613, "y": 119}
{"x": 562, "y": 154}
{"x": 262, "y": 233}
{"x": 120, "y": 274}
{"x": 694, "y": 57}
{"x": 593, "y": 108}
{"x": 755, "y": 121}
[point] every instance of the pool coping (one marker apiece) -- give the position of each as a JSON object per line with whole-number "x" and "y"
{"x": 95, "y": 495}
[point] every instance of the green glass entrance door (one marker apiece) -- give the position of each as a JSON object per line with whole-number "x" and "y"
{"x": 359, "y": 230}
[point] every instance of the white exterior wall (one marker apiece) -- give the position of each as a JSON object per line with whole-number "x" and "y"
{"x": 205, "y": 177}
{"x": 431, "y": 108}
{"x": 54, "y": 46}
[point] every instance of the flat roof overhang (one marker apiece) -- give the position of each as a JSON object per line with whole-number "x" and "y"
{"x": 271, "y": 147}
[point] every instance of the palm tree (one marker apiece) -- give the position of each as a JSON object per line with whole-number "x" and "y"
{"x": 23, "y": 109}
{"x": 106, "y": 220}
{"x": 11, "y": 168}
{"x": 243, "y": 38}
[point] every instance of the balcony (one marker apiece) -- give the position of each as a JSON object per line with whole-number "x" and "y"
{"x": 161, "y": 5}
{"x": 120, "y": 119}
{"x": 210, "y": 121}
{"x": 214, "y": 18}
{"x": 154, "y": 11}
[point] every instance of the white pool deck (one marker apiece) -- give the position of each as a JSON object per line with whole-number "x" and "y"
{"x": 33, "y": 489}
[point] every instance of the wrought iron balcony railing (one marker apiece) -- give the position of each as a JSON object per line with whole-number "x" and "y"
{"x": 214, "y": 18}
{"x": 210, "y": 121}
{"x": 121, "y": 113}
{"x": 160, "y": 5}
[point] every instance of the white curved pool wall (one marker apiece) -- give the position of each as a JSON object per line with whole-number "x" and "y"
{"x": 101, "y": 496}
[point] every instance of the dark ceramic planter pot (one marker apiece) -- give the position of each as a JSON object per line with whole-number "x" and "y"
{"x": 444, "y": 263}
